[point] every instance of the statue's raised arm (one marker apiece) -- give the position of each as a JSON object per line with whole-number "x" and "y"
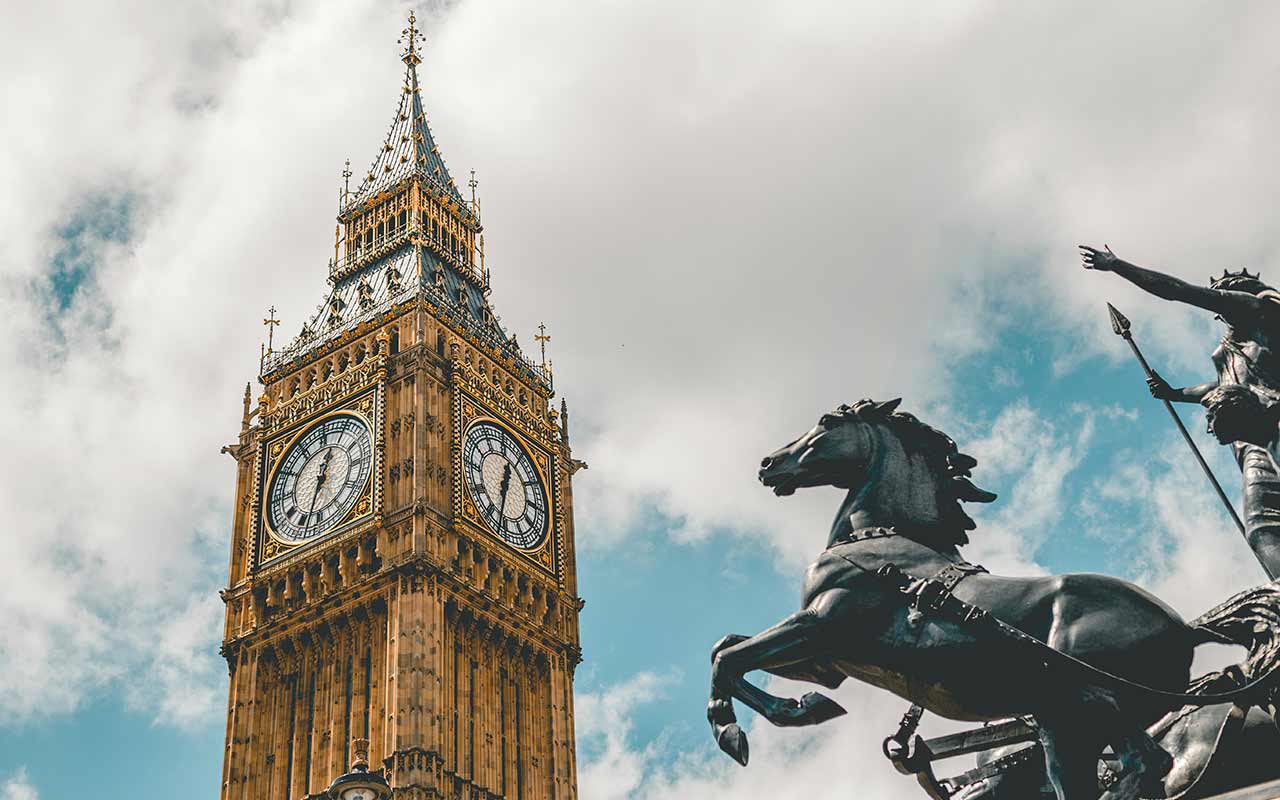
{"x": 1235, "y": 307}
{"x": 1247, "y": 358}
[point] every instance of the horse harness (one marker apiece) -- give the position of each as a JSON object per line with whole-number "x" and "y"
{"x": 934, "y": 596}
{"x": 929, "y": 596}
{"x": 911, "y": 754}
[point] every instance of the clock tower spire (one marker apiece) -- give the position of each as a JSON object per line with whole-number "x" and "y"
{"x": 402, "y": 565}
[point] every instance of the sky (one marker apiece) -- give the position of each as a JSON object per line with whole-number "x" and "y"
{"x": 731, "y": 216}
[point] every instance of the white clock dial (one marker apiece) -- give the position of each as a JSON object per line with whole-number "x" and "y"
{"x": 505, "y": 485}
{"x": 320, "y": 478}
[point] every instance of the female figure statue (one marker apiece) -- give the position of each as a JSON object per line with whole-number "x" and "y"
{"x": 1244, "y": 400}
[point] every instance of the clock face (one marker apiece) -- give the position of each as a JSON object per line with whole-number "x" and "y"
{"x": 319, "y": 478}
{"x": 504, "y": 485}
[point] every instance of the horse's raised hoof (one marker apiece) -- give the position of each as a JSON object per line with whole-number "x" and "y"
{"x": 813, "y": 709}
{"x": 734, "y": 742}
{"x": 726, "y": 642}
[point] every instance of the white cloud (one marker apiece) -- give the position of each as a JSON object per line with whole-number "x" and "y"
{"x": 611, "y": 768}
{"x": 1038, "y": 456}
{"x": 820, "y": 762}
{"x": 18, "y": 787}
{"x": 1192, "y": 555}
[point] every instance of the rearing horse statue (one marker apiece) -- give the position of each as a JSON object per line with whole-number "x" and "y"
{"x": 891, "y": 603}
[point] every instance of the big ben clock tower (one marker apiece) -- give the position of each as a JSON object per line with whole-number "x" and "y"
{"x": 402, "y": 564}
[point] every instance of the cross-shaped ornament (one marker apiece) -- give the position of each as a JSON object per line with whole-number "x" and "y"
{"x": 542, "y": 339}
{"x": 271, "y": 322}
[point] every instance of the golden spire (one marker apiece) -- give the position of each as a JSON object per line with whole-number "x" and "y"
{"x": 410, "y": 37}
{"x": 542, "y": 338}
{"x": 271, "y": 322}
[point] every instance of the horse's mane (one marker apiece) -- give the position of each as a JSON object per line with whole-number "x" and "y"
{"x": 940, "y": 452}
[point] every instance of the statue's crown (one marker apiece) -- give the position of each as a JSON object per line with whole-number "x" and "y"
{"x": 1229, "y": 279}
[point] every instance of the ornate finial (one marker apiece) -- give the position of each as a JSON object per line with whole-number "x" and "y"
{"x": 346, "y": 179}
{"x": 542, "y": 338}
{"x": 361, "y": 752}
{"x": 271, "y": 322}
{"x": 410, "y": 37}
{"x": 473, "y": 183}
{"x": 248, "y": 400}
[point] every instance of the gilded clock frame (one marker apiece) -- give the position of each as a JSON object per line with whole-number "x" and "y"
{"x": 470, "y": 410}
{"x": 363, "y": 405}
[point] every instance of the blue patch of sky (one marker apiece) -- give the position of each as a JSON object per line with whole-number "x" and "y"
{"x": 1130, "y": 427}
{"x": 117, "y": 752}
{"x": 657, "y": 605}
{"x": 99, "y": 219}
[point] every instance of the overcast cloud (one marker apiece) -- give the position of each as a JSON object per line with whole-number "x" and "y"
{"x": 732, "y": 216}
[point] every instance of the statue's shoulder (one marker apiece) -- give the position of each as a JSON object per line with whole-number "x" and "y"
{"x": 1271, "y": 303}
{"x": 836, "y": 567}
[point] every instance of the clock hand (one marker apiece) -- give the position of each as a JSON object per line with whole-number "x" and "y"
{"x": 320, "y": 476}
{"x": 506, "y": 487}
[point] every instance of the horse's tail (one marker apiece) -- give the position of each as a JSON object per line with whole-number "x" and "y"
{"x": 1250, "y": 619}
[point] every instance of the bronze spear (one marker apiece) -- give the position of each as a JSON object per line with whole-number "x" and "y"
{"x": 1120, "y": 324}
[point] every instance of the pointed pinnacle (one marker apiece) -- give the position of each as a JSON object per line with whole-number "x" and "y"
{"x": 1119, "y": 323}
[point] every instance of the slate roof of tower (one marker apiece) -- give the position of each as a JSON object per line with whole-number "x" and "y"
{"x": 392, "y": 279}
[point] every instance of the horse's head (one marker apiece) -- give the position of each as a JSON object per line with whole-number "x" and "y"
{"x": 835, "y": 452}
{"x": 918, "y": 472}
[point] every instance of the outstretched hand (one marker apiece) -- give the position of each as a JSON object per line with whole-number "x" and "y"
{"x": 1160, "y": 388}
{"x": 1102, "y": 260}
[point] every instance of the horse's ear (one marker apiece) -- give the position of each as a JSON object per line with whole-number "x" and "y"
{"x": 887, "y": 407}
{"x": 965, "y": 490}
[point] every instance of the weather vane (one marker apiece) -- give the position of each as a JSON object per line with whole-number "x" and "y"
{"x": 410, "y": 37}
{"x": 542, "y": 339}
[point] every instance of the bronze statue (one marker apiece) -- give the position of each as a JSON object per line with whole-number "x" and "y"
{"x": 1216, "y": 749}
{"x": 1244, "y": 399}
{"x": 890, "y": 601}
